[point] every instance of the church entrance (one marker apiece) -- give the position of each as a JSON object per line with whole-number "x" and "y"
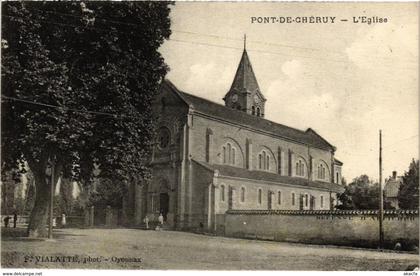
{"x": 164, "y": 205}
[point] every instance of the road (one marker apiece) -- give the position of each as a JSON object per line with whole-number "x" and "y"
{"x": 140, "y": 249}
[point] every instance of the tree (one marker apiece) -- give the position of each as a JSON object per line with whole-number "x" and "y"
{"x": 408, "y": 194}
{"x": 77, "y": 84}
{"x": 361, "y": 193}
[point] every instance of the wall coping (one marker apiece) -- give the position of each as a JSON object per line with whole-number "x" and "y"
{"x": 324, "y": 212}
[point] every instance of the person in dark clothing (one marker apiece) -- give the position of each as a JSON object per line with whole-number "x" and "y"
{"x": 14, "y": 220}
{"x": 6, "y": 221}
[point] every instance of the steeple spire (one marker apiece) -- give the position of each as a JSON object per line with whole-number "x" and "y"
{"x": 244, "y": 93}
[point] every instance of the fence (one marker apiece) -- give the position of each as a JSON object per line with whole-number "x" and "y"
{"x": 339, "y": 227}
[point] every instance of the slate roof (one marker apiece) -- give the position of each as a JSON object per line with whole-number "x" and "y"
{"x": 245, "y": 79}
{"x": 231, "y": 171}
{"x": 308, "y": 137}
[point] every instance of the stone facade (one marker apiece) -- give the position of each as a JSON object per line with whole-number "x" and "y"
{"x": 210, "y": 158}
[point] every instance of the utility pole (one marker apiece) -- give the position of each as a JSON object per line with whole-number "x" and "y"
{"x": 50, "y": 226}
{"x": 381, "y": 196}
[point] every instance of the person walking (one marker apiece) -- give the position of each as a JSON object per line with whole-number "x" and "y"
{"x": 14, "y": 220}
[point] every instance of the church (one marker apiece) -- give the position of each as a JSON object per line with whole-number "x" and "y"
{"x": 209, "y": 158}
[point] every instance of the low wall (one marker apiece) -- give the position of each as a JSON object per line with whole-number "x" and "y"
{"x": 339, "y": 227}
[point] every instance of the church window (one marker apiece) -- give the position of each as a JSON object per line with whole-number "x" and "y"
{"x": 300, "y": 168}
{"x": 279, "y": 197}
{"x": 259, "y": 196}
{"x": 222, "y": 192}
{"x": 264, "y": 160}
{"x": 306, "y": 200}
{"x": 258, "y": 112}
{"x": 268, "y": 163}
{"x": 253, "y": 110}
{"x": 229, "y": 148}
{"x": 293, "y": 199}
{"x": 164, "y": 137}
{"x": 233, "y": 156}
{"x": 242, "y": 194}
{"x": 229, "y": 154}
{"x": 336, "y": 177}
{"x": 322, "y": 201}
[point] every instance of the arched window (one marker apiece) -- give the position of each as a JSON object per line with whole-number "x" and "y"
{"x": 259, "y": 196}
{"x": 229, "y": 148}
{"x": 300, "y": 168}
{"x": 229, "y": 154}
{"x": 260, "y": 161}
{"x": 164, "y": 137}
{"x": 242, "y": 194}
{"x": 222, "y": 193}
{"x": 293, "y": 199}
{"x": 322, "y": 201}
{"x": 268, "y": 163}
{"x": 253, "y": 110}
{"x": 336, "y": 177}
{"x": 233, "y": 156}
{"x": 306, "y": 200}
{"x": 263, "y": 159}
{"x": 258, "y": 112}
{"x": 279, "y": 197}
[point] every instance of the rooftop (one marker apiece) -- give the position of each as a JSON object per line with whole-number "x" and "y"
{"x": 308, "y": 137}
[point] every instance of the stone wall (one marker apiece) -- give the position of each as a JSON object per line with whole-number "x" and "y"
{"x": 339, "y": 227}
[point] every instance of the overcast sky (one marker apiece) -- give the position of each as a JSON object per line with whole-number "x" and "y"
{"x": 344, "y": 80}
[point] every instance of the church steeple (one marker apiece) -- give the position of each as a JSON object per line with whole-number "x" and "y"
{"x": 244, "y": 93}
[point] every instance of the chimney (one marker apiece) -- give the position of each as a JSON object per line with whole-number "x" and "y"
{"x": 394, "y": 175}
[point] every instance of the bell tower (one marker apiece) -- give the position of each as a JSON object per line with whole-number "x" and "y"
{"x": 244, "y": 93}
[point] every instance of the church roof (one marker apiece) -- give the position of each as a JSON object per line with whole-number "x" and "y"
{"x": 225, "y": 170}
{"x": 240, "y": 118}
{"x": 245, "y": 80}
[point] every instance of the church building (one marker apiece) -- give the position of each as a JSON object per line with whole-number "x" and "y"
{"x": 209, "y": 158}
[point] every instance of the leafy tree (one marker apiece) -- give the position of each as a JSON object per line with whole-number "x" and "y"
{"x": 77, "y": 84}
{"x": 108, "y": 192}
{"x": 361, "y": 193}
{"x": 408, "y": 194}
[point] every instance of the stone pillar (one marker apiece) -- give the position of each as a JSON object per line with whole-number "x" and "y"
{"x": 312, "y": 168}
{"x": 249, "y": 154}
{"x": 291, "y": 163}
{"x": 280, "y": 161}
{"x": 209, "y": 146}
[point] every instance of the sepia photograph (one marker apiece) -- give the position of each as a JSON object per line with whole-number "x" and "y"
{"x": 209, "y": 136}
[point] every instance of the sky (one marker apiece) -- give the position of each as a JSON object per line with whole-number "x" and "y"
{"x": 345, "y": 80}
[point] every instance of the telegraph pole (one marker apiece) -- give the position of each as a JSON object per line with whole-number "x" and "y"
{"x": 50, "y": 226}
{"x": 381, "y": 196}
